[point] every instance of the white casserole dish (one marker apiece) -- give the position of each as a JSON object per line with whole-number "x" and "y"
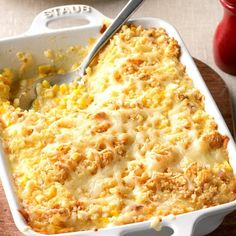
{"x": 39, "y": 38}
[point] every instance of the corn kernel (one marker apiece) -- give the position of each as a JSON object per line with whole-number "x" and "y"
{"x": 115, "y": 213}
{"x": 45, "y": 84}
{"x": 104, "y": 220}
{"x": 45, "y": 70}
{"x": 63, "y": 88}
{"x": 49, "y": 53}
{"x": 8, "y": 76}
{"x": 51, "y": 192}
{"x": 61, "y": 71}
{"x": 49, "y": 93}
{"x": 74, "y": 66}
{"x": 16, "y": 102}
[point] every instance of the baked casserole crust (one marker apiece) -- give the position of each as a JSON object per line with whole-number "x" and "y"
{"x": 130, "y": 144}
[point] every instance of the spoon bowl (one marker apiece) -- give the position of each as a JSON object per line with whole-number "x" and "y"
{"x": 28, "y": 96}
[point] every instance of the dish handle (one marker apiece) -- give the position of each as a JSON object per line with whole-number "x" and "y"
{"x": 83, "y": 12}
{"x": 182, "y": 225}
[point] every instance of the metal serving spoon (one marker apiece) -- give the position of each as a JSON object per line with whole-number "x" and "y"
{"x": 27, "y": 97}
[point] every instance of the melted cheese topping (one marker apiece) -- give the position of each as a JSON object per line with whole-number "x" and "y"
{"x": 132, "y": 143}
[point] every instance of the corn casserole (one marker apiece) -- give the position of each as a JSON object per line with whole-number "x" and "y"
{"x": 132, "y": 143}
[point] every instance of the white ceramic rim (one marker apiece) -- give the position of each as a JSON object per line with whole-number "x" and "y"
{"x": 182, "y": 224}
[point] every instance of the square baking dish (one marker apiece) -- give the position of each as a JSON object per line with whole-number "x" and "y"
{"x": 39, "y": 38}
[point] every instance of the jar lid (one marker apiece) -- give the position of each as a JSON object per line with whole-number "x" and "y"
{"x": 233, "y": 2}
{"x": 229, "y": 4}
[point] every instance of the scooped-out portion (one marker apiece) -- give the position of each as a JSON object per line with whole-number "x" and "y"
{"x": 132, "y": 143}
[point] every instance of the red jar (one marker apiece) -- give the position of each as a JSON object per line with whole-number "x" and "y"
{"x": 225, "y": 39}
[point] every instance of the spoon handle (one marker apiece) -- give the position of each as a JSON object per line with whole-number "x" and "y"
{"x": 126, "y": 12}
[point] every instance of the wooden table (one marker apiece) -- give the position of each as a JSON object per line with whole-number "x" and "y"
{"x": 221, "y": 95}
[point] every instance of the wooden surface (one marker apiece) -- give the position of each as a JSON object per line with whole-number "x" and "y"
{"x": 221, "y": 95}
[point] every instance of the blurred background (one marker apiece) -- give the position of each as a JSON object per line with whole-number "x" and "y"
{"x": 196, "y": 21}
